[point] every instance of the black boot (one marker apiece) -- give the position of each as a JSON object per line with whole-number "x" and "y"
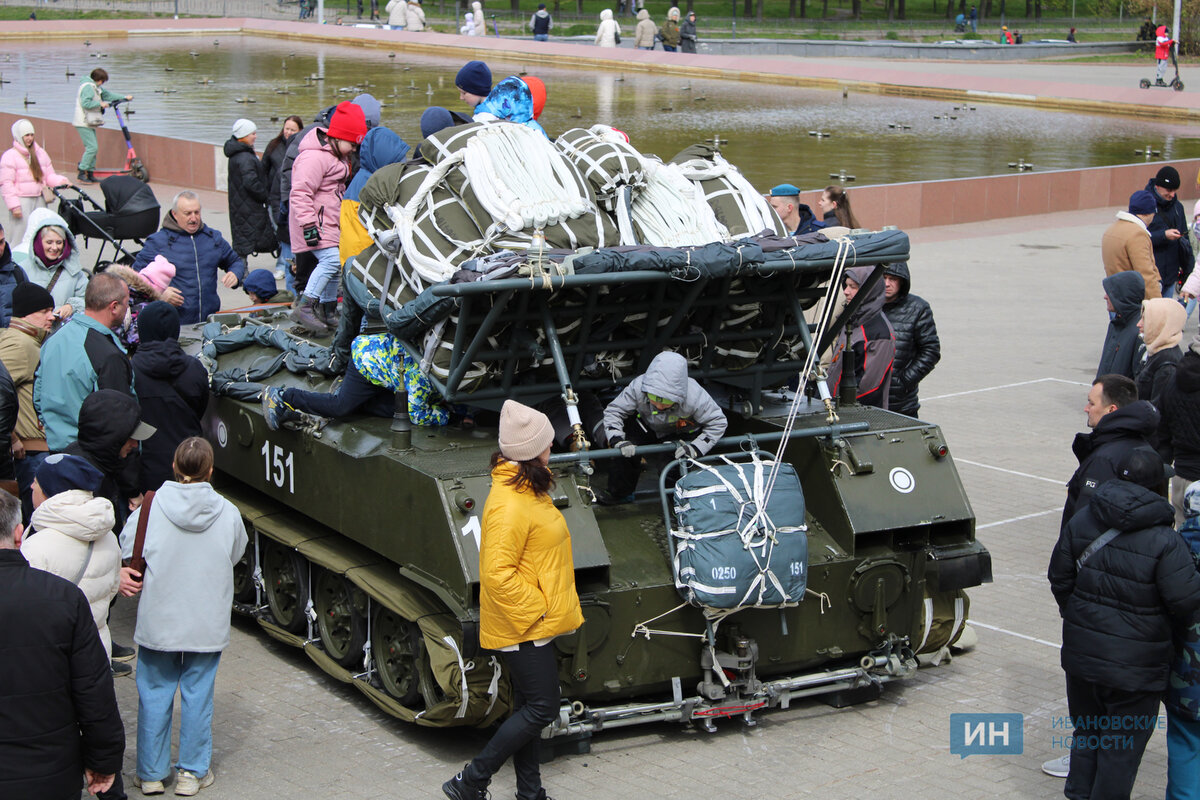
{"x": 91, "y": 176}
{"x": 82, "y": 177}
{"x": 329, "y": 314}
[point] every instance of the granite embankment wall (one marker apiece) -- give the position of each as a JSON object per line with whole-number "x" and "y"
{"x": 179, "y": 162}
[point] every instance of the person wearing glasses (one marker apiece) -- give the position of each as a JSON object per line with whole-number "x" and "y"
{"x": 663, "y": 404}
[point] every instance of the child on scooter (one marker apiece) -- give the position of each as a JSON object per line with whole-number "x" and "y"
{"x": 1162, "y": 51}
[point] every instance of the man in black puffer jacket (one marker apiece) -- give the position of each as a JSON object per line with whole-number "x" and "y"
{"x": 918, "y": 348}
{"x": 1181, "y": 424}
{"x": 172, "y": 390}
{"x": 1122, "y": 577}
{"x": 1120, "y": 423}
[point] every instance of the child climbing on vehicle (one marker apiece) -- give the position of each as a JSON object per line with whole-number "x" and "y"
{"x": 1162, "y": 51}
{"x": 379, "y": 369}
{"x": 319, "y": 177}
{"x": 664, "y": 403}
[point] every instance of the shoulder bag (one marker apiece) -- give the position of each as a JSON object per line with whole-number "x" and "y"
{"x": 93, "y": 117}
{"x": 137, "y": 562}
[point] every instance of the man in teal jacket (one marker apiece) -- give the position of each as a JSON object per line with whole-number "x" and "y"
{"x": 83, "y": 356}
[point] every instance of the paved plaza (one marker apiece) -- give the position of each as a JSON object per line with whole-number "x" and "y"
{"x": 1021, "y": 317}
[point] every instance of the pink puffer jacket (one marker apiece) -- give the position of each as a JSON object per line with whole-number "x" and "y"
{"x": 319, "y": 180}
{"x": 16, "y": 179}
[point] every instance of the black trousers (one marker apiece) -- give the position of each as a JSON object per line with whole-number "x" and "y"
{"x": 623, "y": 473}
{"x": 534, "y": 674}
{"x": 356, "y": 393}
{"x": 1112, "y": 729}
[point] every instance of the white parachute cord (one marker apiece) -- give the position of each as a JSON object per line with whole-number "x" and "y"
{"x": 434, "y": 270}
{"x": 669, "y": 213}
{"x": 844, "y": 250}
{"x": 521, "y": 179}
{"x": 754, "y": 208}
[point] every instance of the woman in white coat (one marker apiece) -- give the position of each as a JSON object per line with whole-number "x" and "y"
{"x": 608, "y": 33}
{"x": 397, "y": 11}
{"x": 480, "y": 22}
{"x": 73, "y": 533}
{"x": 416, "y": 16}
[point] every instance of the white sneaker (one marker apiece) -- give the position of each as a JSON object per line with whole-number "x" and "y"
{"x": 149, "y": 787}
{"x": 279, "y": 274}
{"x": 187, "y": 784}
{"x": 1058, "y": 767}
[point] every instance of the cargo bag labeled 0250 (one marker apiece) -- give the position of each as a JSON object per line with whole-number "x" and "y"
{"x": 739, "y": 539}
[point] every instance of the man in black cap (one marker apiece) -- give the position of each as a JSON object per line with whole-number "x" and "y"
{"x": 1122, "y": 578}
{"x": 474, "y": 82}
{"x": 1169, "y": 231}
{"x": 20, "y": 352}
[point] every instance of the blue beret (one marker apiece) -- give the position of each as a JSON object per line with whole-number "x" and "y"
{"x": 60, "y": 473}
{"x": 785, "y": 190}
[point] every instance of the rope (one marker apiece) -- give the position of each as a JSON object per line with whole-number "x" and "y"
{"x": 669, "y": 212}
{"x": 640, "y": 628}
{"x": 844, "y": 252}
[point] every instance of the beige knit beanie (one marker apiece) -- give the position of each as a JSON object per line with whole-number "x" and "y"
{"x": 525, "y": 433}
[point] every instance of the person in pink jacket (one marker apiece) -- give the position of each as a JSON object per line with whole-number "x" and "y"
{"x": 25, "y": 175}
{"x": 319, "y": 177}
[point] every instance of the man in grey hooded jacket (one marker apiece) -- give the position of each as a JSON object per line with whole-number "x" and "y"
{"x": 664, "y": 403}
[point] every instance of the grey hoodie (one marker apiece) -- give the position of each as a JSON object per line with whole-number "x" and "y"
{"x": 193, "y": 538}
{"x": 694, "y": 408}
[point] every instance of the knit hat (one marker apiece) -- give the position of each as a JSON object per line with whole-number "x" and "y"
{"x": 1167, "y": 178}
{"x": 260, "y": 283}
{"x": 1142, "y": 202}
{"x": 1144, "y": 467}
{"x": 785, "y": 190}
{"x": 372, "y": 109}
{"x": 1162, "y": 323}
{"x": 434, "y": 119}
{"x": 474, "y": 78}
{"x": 158, "y": 322}
{"x": 348, "y": 123}
{"x": 29, "y": 298}
{"x": 243, "y": 127}
{"x": 61, "y": 473}
{"x": 525, "y": 433}
{"x": 21, "y": 128}
{"x": 537, "y": 90}
{"x": 158, "y": 273}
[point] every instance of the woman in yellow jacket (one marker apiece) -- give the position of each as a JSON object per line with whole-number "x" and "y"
{"x": 527, "y": 597}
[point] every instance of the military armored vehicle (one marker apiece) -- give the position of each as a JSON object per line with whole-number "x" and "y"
{"x": 365, "y": 531}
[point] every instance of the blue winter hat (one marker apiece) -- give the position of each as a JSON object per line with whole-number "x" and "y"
{"x": 474, "y": 78}
{"x": 1142, "y": 202}
{"x": 158, "y": 322}
{"x": 372, "y": 108}
{"x": 785, "y": 190}
{"x": 60, "y": 473}
{"x": 261, "y": 283}
{"x": 434, "y": 119}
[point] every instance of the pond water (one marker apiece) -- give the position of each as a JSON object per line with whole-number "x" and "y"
{"x": 189, "y": 87}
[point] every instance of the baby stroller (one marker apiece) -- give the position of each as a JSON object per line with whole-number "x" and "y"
{"x": 131, "y": 212}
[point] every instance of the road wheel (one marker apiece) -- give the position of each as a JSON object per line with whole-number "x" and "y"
{"x": 399, "y": 655}
{"x": 285, "y": 573}
{"x": 340, "y": 621}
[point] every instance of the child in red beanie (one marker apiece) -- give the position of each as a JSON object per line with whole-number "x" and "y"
{"x": 319, "y": 177}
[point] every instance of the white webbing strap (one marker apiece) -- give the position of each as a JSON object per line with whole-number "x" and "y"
{"x": 462, "y": 671}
